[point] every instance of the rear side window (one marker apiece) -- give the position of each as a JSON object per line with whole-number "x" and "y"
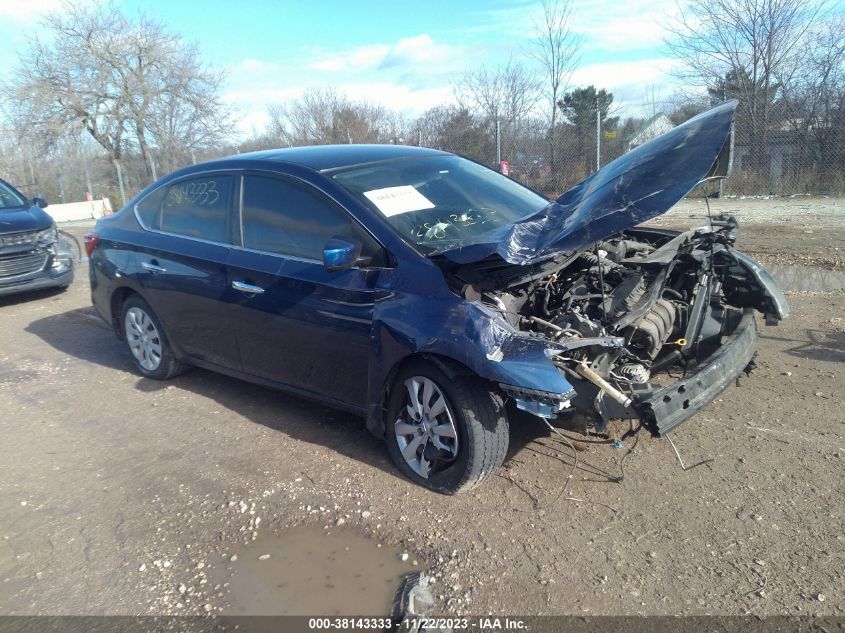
{"x": 196, "y": 207}
{"x": 285, "y": 217}
{"x": 149, "y": 209}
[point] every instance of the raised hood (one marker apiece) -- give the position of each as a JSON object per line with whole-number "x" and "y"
{"x": 639, "y": 185}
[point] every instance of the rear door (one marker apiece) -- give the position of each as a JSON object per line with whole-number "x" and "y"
{"x": 296, "y": 323}
{"x": 182, "y": 266}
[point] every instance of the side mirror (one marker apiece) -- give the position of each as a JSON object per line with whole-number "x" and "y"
{"x": 340, "y": 254}
{"x": 40, "y": 202}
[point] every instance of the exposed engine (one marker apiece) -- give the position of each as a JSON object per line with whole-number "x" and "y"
{"x": 595, "y": 293}
{"x": 607, "y": 291}
{"x": 628, "y": 309}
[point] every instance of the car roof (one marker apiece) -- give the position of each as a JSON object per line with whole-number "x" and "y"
{"x": 328, "y": 157}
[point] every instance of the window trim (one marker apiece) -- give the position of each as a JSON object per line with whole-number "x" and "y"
{"x": 239, "y": 175}
{"x": 199, "y": 174}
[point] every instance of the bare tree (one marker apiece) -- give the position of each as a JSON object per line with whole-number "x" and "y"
{"x": 323, "y": 116}
{"x": 556, "y": 48}
{"x": 185, "y": 114}
{"x": 508, "y": 93}
{"x": 505, "y": 97}
{"x": 117, "y": 77}
{"x": 171, "y": 98}
{"x": 812, "y": 85}
{"x": 813, "y": 100}
{"x": 454, "y": 129}
{"x": 64, "y": 82}
{"x": 737, "y": 48}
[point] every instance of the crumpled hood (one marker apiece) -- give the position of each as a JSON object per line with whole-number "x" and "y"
{"x": 639, "y": 185}
{"x": 32, "y": 219}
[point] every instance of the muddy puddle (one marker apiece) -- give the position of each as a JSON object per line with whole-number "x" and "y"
{"x": 310, "y": 571}
{"x": 807, "y": 278}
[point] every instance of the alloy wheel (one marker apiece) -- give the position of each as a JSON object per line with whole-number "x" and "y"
{"x": 425, "y": 430}
{"x": 143, "y": 338}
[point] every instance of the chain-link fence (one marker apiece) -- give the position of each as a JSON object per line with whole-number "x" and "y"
{"x": 789, "y": 155}
{"x": 785, "y": 156}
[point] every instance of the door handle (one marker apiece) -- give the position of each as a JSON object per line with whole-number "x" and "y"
{"x": 153, "y": 268}
{"x": 244, "y": 287}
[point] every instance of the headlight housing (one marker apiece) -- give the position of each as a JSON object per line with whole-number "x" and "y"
{"x": 47, "y": 237}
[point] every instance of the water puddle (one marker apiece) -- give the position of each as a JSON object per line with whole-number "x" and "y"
{"x": 807, "y": 278}
{"x": 312, "y": 572}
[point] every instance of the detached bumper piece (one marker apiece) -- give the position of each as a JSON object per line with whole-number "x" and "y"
{"x": 540, "y": 403}
{"x": 667, "y": 407}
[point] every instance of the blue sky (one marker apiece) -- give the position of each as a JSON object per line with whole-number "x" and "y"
{"x": 404, "y": 54}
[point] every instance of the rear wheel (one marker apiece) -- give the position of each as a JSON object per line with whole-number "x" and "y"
{"x": 447, "y": 434}
{"x": 147, "y": 342}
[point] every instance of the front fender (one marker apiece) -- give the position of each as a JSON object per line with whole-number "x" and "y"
{"x": 465, "y": 332}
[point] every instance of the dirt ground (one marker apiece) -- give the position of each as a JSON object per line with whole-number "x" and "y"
{"x": 118, "y": 493}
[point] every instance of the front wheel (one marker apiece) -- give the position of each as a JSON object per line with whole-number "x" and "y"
{"x": 447, "y": 434}
{"x": 147, "y": 342}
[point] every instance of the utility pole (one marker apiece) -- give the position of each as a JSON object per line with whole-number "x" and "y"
{"x": 88, "y": 178}
{"x": 598, "y": 135}
{"x": 120, "y": 182}
{"x": 193, "y": 156}
{"x": 153, "y": 167}
{"x": 32, "y": 176}
{"x": 498, "y": 143}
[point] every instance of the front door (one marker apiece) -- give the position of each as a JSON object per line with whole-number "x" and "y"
{"x": 296, "y": 323}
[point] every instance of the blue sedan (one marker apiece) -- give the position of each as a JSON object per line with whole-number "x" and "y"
{"x": 434, "y": 296}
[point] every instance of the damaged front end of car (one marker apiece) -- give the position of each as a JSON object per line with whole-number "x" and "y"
{"x": 646, "y": 325}
{"x": 36, "y": 259}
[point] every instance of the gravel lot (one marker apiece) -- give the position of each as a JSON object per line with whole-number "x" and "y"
{"x": 118, "y": 494}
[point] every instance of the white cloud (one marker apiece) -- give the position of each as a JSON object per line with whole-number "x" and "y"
{"x": 623, "y": 26}
{"x": 409, "y": 76}
{"x": 243, "y": 94}
{"x": 250, "y": 65}
{"x": 415, "y": 73}
{"x": 609, "y": 26}
{"x": 353, "y": 60}
{"x": 419, "y": 54}
{"x": 253, "y": 122}
{"x": 631, "y": 82}
{"x": 402, "y": 98}
{"x": 25, "y": 10}
{"x": 643, "y": 72}
{"x": 422, "y": 52}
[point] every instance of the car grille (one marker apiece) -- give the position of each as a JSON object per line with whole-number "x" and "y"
{"x": 22, "y": 263}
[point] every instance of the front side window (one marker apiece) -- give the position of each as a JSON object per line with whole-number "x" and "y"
{"x": 285, "y": 217}
{"x": 197, "y": 207}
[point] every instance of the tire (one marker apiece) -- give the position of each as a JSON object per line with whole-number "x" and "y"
{"x": 147, "y": 342}
{"x": 437, "y": 460}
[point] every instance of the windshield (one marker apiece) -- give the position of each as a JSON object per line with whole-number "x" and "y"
{"x": 9, "y": 198}
{"x": 440, "y": 202}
